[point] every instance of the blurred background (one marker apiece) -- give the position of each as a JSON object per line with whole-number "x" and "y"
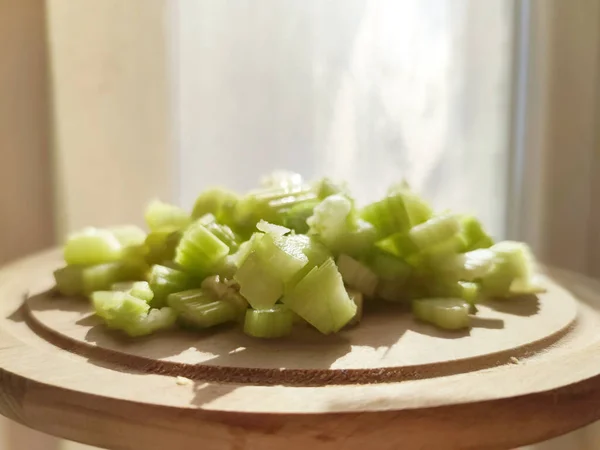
{"x": 485, "y": 107}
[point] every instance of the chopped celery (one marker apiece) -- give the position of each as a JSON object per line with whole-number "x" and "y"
{"x": 271, "y": 228}
{"x": 270, "y": 205}
{"x": 397, "y": 213}
{"x": 102, "y": 276}
{"x": 314, "y": 250}
{"x": 447, "y": 313}
{"x": 259, "y": 285}
{"x": 358, "y": 299}
{"x": 274, "y": 261}
{"x": 92, "y": 246}
{"x": 266, "y": 259}
{"x": 282, "y": 179}
{"x": 465, "y": 290}
{"x": 388, "y": 266}
{"x": 197, "y": 310}
{"x": 162, "y": 216}
{"x": 166, "y": 280}
{"x": 359, "y": 241}
{"x": 129, "y": 235}
{"x": 357, "y": 275}
{"x": 122, "y": 311}
{"x": 223, "y": 232}
{"x": 227, "y": 290}
{"x": 141, "y": 289}
{"x": 468, "y": 266}
{"x": 513, "y": 271}
{"x": 283, "y": 256}
{"x": 474, "y": 234}
{"x": 395, "y": 291}
{"x": 217, "y": 201}
{"x": 326, "y": 187}
{"x": 388, "y": 215}
{"x": 321, "y": 299}
{"x": 269, "y": 323}
{"x": 522, "y": 286}
{"x": 200, "y": 250}
{"x": 398, "y": 244}
{"x": 296, "y": 216}
{"x": 69, "y": 280}
{"x": 435, "y": 231}
{"x": 335, "y": 224}
{"x": 161, "y": 245}
{"x": 122, "y": 286}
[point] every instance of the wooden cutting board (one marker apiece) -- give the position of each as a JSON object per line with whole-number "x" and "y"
{"x": 528, "y": 370}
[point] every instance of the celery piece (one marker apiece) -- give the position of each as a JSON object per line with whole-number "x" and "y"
{"x": 398, "y": 244}
{"x": 469, "y": 291}
{"x": 388, "y": 215}
{"x": 258, "y": 283}
{"x": 199, "y": 312}
{"x": 437, "y": 254}
{"x": 270, "y": 205}
{"x": 358, "y": 299}
{"x": 128, "y": 235}
{"x": 283, "y": 179}
{"x": 321, "y": 299}
{"x": 200, "y": 250}
{"x": 194, "y": 297}
{"x": 161, "y": 216}
{"x": 122, "y": 286}
{"x": 227, "y": 290}
{"x": 101, "y": 277}
{"x": 357, "y": 275}
{"x": 514, "y": 265}
{"x": 314, "y": 250}
{"x": 326, "y": 187}
{"x": 400, "y": 210}
{"x": 118, "y": 306}
{"x": 521, "y": 286}
{"x": 282, "y": 256}
{"x": 160, "y": 246}
{"x": 332, "y": 221}
{"x": 388, "y": 267}
{"x": 446, "y": 313}
{"x": 271, "y": 228}
{"x": 394, "y": 291}
{"x": 218, "y": 201}
{"x": 275, "y": 322}
{"x": 296, "y": 216}
{"x": 474, "y": 234}
{"x": 132, "y": 315}
{"x": 418, "y": 209}
{"x": 223, "y": 232}
{"x": 435, "y": 231}
{"x": 469, "y": 266}
{"x": 465, "y": 290}
{"x": 141, "y": 290}
{"x": 357, "y": 242}
{"x": 165, "y": 280}
{"x": 92, "y": 246}
{"x": 69, "y": 280}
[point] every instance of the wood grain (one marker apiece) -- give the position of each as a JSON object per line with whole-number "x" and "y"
{"x": 89, "y": 398}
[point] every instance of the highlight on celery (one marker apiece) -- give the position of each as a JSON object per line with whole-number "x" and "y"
{"x": 289, "y": 253}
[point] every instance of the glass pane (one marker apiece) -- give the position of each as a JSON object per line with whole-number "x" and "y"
{"x": 371, "y": 92}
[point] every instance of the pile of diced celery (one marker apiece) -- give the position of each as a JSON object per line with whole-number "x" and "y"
{"x": 290, "y": 253}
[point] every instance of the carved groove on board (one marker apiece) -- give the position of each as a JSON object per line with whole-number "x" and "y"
{"x": 288, "y": 376}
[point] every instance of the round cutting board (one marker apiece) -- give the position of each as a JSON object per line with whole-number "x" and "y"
{"x": 528, "y": 370}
